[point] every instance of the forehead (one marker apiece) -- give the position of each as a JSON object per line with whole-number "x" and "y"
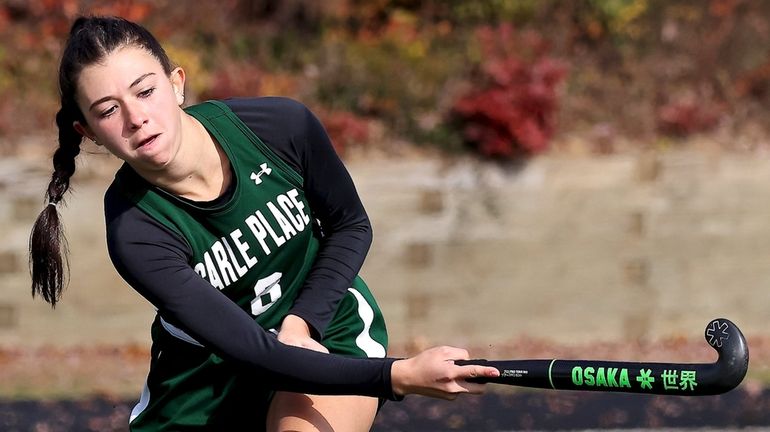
{"x": 116, "y": 72}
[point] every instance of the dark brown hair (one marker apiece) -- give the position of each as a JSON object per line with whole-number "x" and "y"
{"x": 90, "y": 40}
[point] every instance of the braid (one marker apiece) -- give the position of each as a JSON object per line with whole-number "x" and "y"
{"x": 64, "y": 157}
{"x": 47, "y": 244}
{"x": 91, "y": 39}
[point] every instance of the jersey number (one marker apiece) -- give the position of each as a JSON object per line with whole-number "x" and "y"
{"x": 268, "y": 291}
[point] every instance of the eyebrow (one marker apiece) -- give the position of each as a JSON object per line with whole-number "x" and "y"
{"x": 136, "y": 82}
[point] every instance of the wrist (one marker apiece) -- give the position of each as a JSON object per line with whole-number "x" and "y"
{"x": 399, "y": 377}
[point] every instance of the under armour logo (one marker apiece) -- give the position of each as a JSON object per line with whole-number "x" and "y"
{"x": 257, "y": 177}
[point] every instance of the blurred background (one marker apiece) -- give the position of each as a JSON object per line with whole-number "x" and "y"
{"x": 545, "y": 179}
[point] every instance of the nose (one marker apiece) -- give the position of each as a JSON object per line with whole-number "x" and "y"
{"x": 135, "y": 116}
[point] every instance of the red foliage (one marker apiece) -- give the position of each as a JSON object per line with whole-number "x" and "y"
{"x": 344, "y": 128}
{"x": 234, "y": 79}
{"x": 681, "y": 118}
{"x": 132, "y": 10}
{"x": 511, "y": 112}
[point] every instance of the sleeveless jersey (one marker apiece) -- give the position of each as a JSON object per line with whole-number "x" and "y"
{"x": 258, "y": 246}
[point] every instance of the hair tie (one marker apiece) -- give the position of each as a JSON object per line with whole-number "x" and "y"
{"x": 55, "y": 205}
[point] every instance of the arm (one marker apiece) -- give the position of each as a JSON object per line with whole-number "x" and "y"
{"x": 297, "y": 137}
{"x": 153, "y": 261}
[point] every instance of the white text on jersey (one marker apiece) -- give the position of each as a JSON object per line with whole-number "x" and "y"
{"x": 230, "y": 257}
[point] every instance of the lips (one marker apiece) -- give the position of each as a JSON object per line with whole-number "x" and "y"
{"x": 147, "y": 140}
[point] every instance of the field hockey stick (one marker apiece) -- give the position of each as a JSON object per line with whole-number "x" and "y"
{"x": 684, "y": 379}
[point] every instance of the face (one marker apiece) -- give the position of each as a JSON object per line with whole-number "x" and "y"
{"x": 131, "y": 107}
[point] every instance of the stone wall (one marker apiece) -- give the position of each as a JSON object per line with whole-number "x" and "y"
{"x": 570, "y": 249}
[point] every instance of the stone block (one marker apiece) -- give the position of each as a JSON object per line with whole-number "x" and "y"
{"x": 10, "y": 262}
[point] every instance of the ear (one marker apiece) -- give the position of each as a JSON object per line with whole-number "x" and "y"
{"x": 177, "y": 79}
{"x": 84, "y": 130}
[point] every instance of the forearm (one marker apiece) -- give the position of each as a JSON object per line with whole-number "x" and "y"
{"x": 155, "y": 262}
{"x": 346, "y": 233}
{"x": 338, "y": 262}
{"x": 293, "y": 133}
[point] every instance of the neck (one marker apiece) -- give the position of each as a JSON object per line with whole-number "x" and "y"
{"x": 201, "y": 170}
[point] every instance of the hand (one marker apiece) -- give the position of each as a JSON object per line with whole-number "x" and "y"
{"x": 295, "y": 331}
{"x": 433, "y": 373}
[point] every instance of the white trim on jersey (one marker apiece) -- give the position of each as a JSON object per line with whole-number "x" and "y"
{"x": 178, "y": 333}
{"x": 144, "y": 400}
{"x": 369, "y": 346}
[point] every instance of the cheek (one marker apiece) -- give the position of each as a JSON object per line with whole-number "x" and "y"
{"x": 167, "y": 109}
{"x": 172, "y": 116}
{"x": 109, "y": 129}
{"x": 110, "y": 134}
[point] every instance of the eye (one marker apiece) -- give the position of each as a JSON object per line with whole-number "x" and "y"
{"x": 108, "y": 112}
{"x": 146, "y": 93}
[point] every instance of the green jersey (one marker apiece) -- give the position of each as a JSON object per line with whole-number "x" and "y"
{"x": 257, "y": 248}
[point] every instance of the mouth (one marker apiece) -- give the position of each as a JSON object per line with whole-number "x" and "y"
{"x": 148, "y": 140}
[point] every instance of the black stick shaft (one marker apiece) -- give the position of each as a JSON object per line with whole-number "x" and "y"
{"x": 592, "y": 375}
{"x": 687, "y": 379}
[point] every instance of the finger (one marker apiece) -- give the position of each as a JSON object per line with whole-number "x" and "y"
{"x": 475, "y": 371}
{"x": 450, "y": 396}
{"x": 473, "y": 388}
{"x": 441, "y": 395}
{"x": 448, "y": 392}
{"x": 458, "y": 387}
{"x": 461, "y": 386}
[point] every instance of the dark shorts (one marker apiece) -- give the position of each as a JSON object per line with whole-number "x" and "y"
{"x": 188, "y": 388}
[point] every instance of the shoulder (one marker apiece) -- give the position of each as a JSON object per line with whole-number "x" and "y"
{"x": 127, "y": 226}
{"x": 269, "y": 106}
{"x": 116, "y": 198}
{"x": 122, "y": 216}
{"x": 285, "y": 125}
{"x": 273, "y": 119}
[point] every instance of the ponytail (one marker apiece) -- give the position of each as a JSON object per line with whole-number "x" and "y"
{"x": 47, "y": 244}
{"x": 90, "y": 40}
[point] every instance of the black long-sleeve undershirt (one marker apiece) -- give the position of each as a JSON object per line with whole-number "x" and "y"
{"x": 155, "y": 261}
{"x": 330, "y": 192}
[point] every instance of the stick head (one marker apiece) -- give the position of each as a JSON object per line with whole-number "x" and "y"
{"x": 728, "y": 341}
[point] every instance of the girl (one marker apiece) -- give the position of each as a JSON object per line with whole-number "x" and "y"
{"x": 239, "y": 223}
